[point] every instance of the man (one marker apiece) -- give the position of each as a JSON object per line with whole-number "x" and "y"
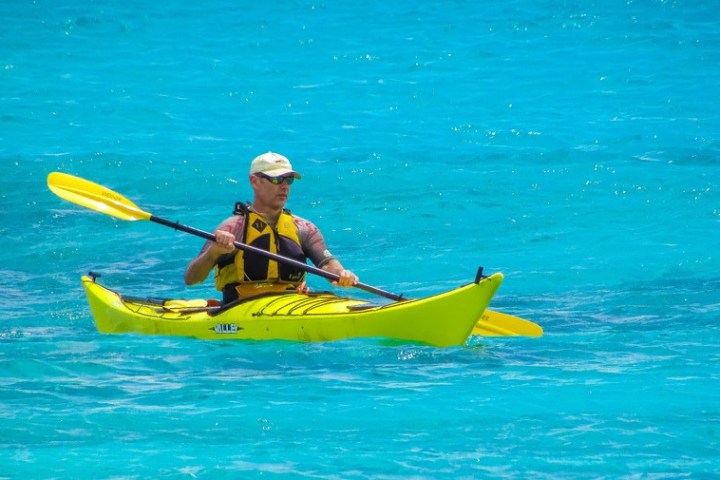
{"x": 266, "y": 224}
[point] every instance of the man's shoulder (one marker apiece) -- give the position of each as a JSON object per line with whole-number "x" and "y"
{"x": 303, "y": 223}
{"x": 233, "y": 221}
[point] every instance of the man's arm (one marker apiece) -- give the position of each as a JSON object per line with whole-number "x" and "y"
{"x": 200, "y": 267}
{"x": 347, "y": 278}
{"x": 315, "y": 249}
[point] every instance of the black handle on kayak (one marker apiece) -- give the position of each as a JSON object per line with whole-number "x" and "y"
{"x": 273, "y": 256}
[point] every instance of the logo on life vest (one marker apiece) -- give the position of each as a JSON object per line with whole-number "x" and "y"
{"x": 226, "y": 329}
{"x": 259, "y": 225}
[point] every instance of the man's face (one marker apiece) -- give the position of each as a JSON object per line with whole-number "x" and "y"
{"x": 271, "y": 192}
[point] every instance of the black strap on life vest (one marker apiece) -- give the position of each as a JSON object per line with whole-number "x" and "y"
{"x": 241, "y": 208}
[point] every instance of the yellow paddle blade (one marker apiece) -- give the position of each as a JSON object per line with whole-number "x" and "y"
{"x": 93, "y": 196}
{"x": 498, "y": 324}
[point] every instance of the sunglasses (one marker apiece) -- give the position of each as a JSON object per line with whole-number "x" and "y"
{"x": 277, "y": 180}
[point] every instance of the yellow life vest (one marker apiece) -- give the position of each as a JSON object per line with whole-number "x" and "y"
{"x": 249, "y": 272}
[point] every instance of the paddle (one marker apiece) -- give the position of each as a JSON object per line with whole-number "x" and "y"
{"x": 498, "y": 324}
{"x": 101, "y": 199}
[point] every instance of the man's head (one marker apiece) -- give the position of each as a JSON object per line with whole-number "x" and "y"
{"x": 270, "y": 177}
{"x": 272, "y": 165}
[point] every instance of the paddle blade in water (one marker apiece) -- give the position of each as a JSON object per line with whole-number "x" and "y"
{"x": 95, "y": 197}
{"x": 498, "y": 324}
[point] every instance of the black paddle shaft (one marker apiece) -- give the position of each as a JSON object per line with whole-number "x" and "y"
{"x": 273, "y": 256}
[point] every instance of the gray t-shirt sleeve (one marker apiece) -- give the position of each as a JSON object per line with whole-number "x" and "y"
{"x": 312, "y": 242}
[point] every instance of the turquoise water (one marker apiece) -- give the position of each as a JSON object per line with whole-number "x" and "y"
{"x": 573, "y": 146}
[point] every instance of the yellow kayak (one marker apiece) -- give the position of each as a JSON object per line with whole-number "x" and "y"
{"x": 441, "y": 320}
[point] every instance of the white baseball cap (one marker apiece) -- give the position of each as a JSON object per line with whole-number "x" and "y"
{"x": 272, "y": 164}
